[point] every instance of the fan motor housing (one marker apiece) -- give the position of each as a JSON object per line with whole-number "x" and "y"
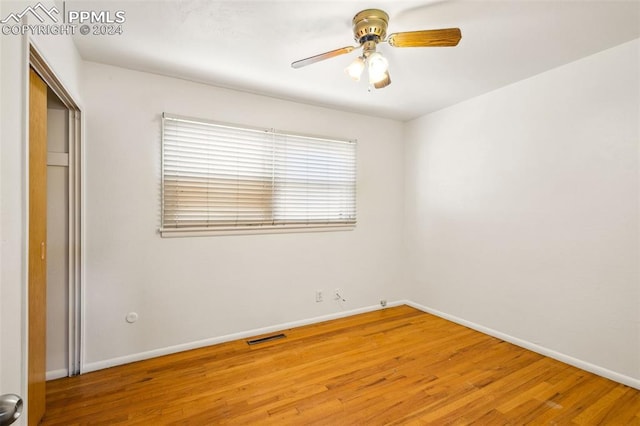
{"x": 370, "y": 24}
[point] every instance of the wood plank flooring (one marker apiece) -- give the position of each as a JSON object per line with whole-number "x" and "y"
{"x": 393, "y": 366}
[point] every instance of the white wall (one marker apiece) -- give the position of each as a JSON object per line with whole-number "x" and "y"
{"x": 522, "y": 211}
{"x": 190, "y": 289}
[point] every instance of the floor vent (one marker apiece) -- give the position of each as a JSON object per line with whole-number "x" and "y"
{"x": 266, "y": 339}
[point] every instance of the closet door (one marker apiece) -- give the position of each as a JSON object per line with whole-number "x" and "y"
{"x": 37, "y": 247}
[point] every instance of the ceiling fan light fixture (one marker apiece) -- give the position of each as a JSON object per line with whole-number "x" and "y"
{"x": 369, "y": 30}
{"x": 384, "y": 82}
{"x": 378, "y": 67}
{"x": 356, "y": 68}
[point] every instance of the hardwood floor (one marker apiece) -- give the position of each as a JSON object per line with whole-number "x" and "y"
{"x": 394, "y": 366}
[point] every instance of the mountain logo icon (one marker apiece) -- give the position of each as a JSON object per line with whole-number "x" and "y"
{"x": 38, "y": 11}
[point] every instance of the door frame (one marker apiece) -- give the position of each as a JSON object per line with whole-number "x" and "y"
{"x": 76, "y": 218}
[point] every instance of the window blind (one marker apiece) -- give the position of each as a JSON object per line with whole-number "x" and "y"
{"x": 224, "y": 177}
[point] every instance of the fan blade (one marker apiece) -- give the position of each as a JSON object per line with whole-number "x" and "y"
{"x": 427, "y": 38}
{"x": 321, "y": 57}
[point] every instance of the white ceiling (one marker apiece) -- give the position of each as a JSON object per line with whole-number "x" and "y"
{"x": 249, "y": 45}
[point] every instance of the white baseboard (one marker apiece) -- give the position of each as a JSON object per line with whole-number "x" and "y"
{"x": 584, "y": 365}
{"x": 56, "y": 374}
{"x": 601, "y": 371}
{"x": 99, "y": 365}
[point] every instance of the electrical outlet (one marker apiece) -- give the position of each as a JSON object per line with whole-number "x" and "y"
{"x": 383, "y": 302}
{"x": 318, "y": 295}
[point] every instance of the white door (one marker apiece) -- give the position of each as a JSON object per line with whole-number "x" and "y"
{"x": 11, "y": 365}
{"x": 12, "y": 216}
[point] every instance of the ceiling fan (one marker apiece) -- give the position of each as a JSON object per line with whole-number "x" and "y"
{"x": 369, "y": 29}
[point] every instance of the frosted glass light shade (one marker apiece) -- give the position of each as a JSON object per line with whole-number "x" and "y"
{"x": 378, "y": 66}
{"x": 356, "y": 68}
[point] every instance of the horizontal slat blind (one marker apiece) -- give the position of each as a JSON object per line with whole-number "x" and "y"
{"x": 315, "y": 181}
{"x": 224, "y": 177}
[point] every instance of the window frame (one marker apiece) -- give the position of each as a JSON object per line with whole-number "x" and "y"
{"x": 258, "y": 228}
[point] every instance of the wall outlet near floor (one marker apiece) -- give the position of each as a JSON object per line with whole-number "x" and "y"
{"x": 383, "y": 302}
{"x": 318, "y": 296}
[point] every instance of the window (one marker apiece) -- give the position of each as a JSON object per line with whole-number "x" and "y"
{"x": 218, "y": 177}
